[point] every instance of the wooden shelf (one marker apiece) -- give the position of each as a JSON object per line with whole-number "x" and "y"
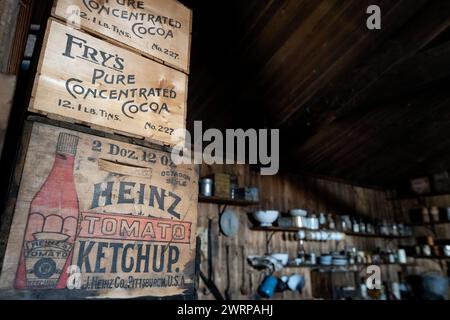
{"x": 426, "y": 224}
{"x": 418, "y": 196}
{"x": 230, "y": 202}
{"x": 349, "y": 265}
{"x": 279, "y": 229}
{"x": 368, "y": 235}
{"x": 431, "y": 257}
{"x": 352, "y": 234}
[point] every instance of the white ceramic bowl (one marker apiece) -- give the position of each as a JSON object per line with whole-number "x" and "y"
{"x": 298, "y": 213}
{"x": 266, "y": 218}
{"x": 282, "y": 257}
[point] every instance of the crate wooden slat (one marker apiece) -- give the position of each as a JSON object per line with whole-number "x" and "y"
{"x": 145, "y": 98}
{"x": 8, "y": 83}
{"x": 131, "y": 172}
{"x": 159, "y": 29}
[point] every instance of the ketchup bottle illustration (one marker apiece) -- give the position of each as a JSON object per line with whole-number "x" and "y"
{"x": 52, "y": 224}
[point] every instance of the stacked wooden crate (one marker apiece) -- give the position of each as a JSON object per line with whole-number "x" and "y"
{"x": 101, "y": 210}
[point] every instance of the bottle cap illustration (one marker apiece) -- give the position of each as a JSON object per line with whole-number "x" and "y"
{"x": 67, "y": 144}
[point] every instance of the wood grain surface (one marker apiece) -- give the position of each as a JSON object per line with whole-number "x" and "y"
{"x": 87, "y": 80}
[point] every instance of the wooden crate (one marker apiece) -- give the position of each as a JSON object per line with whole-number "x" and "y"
{"x": 159, "y": 29}
{"x": 120, "y": 213}
{"x": 7, "y": 87}
{"x": 222, "y": 185}
{"x": 84, "y": 79}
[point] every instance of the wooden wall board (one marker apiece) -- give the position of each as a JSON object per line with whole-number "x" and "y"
{"x": 85, "y": 79}
{"x": 9, "y": 10}
{"x": 7, "y": 87}
{"x": 119, "y": 212}
{"x": 159, "y": 29}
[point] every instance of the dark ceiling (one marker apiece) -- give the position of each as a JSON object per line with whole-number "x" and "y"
{"x": 370, "y": 107}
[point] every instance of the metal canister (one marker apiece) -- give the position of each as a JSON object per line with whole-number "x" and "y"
{"x": 402, "y": 256}
{"x": 447, "y": 251}
{"x": 206, "y": 187}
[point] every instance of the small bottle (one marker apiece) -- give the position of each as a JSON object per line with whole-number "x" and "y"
{"x": 391, "y": 257}
{"x": 369, "y": 228}
{"x": 352, "y": 258}
{"x": 396, "y": 295}
{"x": 394, "y": 231}
{"x": 355, "y": 225}
{"x": 384, "y": 228}
{"x": 344, "y": 225}
{"x": 404, "y": 292}
{"x": 425, "y": 215}
{"x": 302, "y": 252}
{"x": 323, "y": 220}
{"x": 362, "y": 226}
{"x": 384, "y": 292}
{"x": 434, "y": 213}
{"x": 331, "y": 223}
{"x": 363, "y": 289}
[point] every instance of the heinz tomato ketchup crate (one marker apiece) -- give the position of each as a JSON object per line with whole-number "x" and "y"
{"x": 159, "y": 29}
{"x": 98, "y": 217}
{"x": 87, "y": 80}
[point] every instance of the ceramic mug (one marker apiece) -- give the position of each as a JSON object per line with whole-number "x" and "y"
{"x": 296, "y": 282}
{"x": 281, "y": 285}
{"x": 268, "y": 286}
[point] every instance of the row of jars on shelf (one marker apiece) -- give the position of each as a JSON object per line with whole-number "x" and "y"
{"x": 352, "y": 257}
{"x": 347, "y": 223}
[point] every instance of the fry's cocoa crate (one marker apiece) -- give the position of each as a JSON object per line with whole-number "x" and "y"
{"x": 83, "y": 79}
{"x": 159, "y": 29}
{"x": 100, "y": 218}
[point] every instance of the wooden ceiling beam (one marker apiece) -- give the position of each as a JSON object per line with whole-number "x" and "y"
{"x": 334, "y": 86}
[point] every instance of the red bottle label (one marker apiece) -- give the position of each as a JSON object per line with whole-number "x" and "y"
{"x": 52, "y": 225}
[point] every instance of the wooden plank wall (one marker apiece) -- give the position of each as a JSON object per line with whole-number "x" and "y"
{"x": 283, "y": 192}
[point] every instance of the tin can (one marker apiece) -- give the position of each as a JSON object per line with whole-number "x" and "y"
{"x": 206, "y": 187}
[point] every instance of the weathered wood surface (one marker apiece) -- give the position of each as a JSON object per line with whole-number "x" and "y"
{"x": 7, "y": 86}
{"x": 9, "y": 10}
{"x": 159, "y": 28}
{"x": 91, "y": 81}
{"x": 349, "y": 98}
{"x": 135, "y": 220}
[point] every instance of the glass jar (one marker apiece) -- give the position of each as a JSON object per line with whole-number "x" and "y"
{"x": 314, "y": 222}
{"x": 362, "y": 226}
{"x": 447, "y": 251}
{"x": 394, "y": 229}
{"x": 369, "y": 228}
{"x": 384, "y": 230}
{"x": 426, "y": 250}
{"x": 355, "y": 226}
{"x": 323, "y": 220}
{"x": 434, "y": 213}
